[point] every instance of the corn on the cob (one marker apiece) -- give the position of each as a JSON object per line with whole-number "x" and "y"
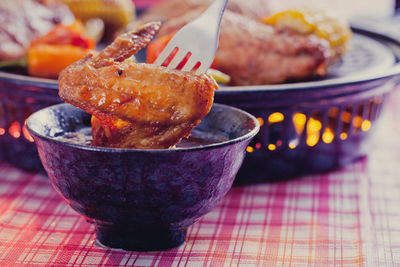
{"x": 219, "y": 77}
{"x": 321, "y": 23}
{"x": 117, "y": 13}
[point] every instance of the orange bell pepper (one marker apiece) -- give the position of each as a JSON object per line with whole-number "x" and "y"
{"x": 62, "y": 46}
{"x": 66, "y": 35}
{"x": 47, "y": 61}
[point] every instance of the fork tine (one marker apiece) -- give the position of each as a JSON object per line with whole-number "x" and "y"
{"x": 202, "y": 33}
{"x": 165, "y": 53}
{"x": 180, "y": 55}
{"x": 190, "y": 64}
{"x": 203, "y": 68}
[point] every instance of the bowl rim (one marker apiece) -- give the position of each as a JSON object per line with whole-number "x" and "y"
{"x": 239, "y": 139}
{"x": 383, "y": 39}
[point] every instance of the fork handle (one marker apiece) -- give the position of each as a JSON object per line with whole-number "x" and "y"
{"x": 217, "y": 7}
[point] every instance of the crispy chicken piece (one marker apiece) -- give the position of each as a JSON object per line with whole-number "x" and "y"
{"x": 136, "y": 105}
{"x": 254, "y": 53}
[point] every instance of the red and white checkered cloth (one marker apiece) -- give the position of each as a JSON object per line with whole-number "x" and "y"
{"x": 348, "y": 217}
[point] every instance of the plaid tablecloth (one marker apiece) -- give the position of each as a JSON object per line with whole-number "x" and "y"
{"x": 347, "y": 217}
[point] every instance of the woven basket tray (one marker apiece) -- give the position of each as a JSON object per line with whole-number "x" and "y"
{"x": 306, "y": 127}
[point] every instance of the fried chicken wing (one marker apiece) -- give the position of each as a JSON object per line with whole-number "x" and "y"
{"x": 255, "y": 53}
{"x": 136, "y": 105}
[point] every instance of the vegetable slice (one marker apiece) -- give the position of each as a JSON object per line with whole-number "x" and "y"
{"x": 48, "y": 60}
{"x": 323, "y": 24}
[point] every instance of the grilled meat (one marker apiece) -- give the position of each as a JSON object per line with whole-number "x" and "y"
{"x": 136, "y": 105}
{"x": 255, "y": 53}
{"x": 166, "y": 10}
{"x": 22, "y": 21}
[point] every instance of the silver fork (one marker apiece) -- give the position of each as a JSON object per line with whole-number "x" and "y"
{"x": 199, "y": 39}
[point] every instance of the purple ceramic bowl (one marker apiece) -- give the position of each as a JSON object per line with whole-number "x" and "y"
{"x": 142, "y": 199}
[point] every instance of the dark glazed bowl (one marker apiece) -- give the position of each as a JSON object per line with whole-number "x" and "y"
{"x": 142, "y": 199}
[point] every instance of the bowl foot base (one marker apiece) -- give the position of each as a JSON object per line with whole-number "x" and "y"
{"x": 140, "y": 240}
